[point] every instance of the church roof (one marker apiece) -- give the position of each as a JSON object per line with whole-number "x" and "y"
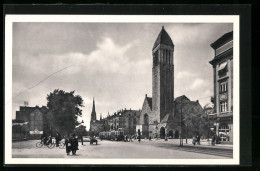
{"x": 149, "y": 100}
{"x": 163, "y": 38}
{"x": 169, "y": 118}
{"x": 181, "y": 98}
{"x": 93, "y": 113}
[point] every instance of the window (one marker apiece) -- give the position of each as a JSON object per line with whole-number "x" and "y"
{"x": 222, "y": 69}
{"x": 223, "y": 87}
{"x": 223, "y": 106}
{"x": 135, "y": 121}
{"x": 164, "y": 56}
{"x": 223, "y": 127}
{"x": 146, "y": 119}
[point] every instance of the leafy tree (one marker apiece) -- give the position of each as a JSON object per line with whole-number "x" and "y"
{"x": 64, "y": 109}
{"x": 80, "y": 130}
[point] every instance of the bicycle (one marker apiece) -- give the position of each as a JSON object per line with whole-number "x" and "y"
{"x": 61, "y": 145}
{"x": 48, "y": 144}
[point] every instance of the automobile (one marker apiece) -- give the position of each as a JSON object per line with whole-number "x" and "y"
{"x": 93, "y": 140}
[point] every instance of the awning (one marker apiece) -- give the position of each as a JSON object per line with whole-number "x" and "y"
{"x": 222, "y": 66}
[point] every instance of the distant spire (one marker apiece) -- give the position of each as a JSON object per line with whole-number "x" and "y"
{"x": 100, "y": 116}
{"x": 93, "y": 113}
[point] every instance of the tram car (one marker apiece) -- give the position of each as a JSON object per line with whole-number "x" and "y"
{"x": 112, "y": 135}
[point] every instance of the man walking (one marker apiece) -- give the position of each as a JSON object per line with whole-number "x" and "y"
{"x": 74, "y": 144}
{"x": 57, "y": 138}
{"x": 68, "y": 145}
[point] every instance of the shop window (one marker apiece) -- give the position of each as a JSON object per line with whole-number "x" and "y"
{"x": 223, "y": 127}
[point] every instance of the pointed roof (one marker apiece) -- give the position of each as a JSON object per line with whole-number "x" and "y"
{"x": 163, "y": 38}
{"x": 93, "y": 113}
{"x": 169, "y": 118}
{"x": 149, "y": 100}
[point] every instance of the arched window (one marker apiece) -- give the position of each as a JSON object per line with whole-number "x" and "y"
{"x": 146, "y": 119}
{"x": 134, "y": 121}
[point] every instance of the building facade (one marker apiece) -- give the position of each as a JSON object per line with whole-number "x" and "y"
{"x": 35, "y": 118}
{"x": 123, "y": 120}
{"x": 222, "y": 64}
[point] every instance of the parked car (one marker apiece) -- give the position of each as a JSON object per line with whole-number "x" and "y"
{"x": 93, "y": 140}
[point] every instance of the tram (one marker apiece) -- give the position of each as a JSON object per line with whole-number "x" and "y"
{"x": 112, "y": 135}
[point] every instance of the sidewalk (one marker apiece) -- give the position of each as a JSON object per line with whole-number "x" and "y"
{"x": 203, "y": 144}
{"x": 207, "y": 144}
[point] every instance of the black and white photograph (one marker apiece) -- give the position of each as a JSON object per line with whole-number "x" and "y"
{"x": 97, "y": 89}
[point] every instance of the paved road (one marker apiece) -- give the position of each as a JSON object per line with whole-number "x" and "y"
{"x": 156, "y": 149}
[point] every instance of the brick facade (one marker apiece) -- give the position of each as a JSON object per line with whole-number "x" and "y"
{"x": 35, "y": 118}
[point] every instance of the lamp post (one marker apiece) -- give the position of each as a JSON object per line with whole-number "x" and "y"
{"x": 181, "y": 140}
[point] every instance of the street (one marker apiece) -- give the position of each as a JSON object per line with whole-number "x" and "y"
{"x": 156, "y": 149}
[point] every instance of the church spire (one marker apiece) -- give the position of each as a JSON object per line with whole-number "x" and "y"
{"x": 93, "y": 113}
{"x": 163, "y": 38}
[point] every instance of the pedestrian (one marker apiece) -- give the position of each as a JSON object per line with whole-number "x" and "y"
{"x": 57, "y": 138}
{"x": 194, "y": 139}
{"x": 74, "y": 144}
{"x": 150, "y": 138}
{"x": 130, "y": 139}
{"x": 198, "y": 139}
{"x": 43, "y": 138}
{"x": 68, "y": 145}
{"x": 213, "y": 139}
{"x": 139, "y": 138}
{"x": 166, "y": 138}
{"x": 49, "y": 140}
{"x": 81, "y": 138}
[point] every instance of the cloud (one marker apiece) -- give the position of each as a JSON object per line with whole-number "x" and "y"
{"x": 185, "y": 75}
{"x": 112, "y": 62}
{"x": 197, "y": 83}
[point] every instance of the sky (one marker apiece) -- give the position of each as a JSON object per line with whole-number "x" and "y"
{"x": 111, "y": 62}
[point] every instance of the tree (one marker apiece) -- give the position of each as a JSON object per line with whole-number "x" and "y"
{"x": 192, "y": 122}
{"x": 64, "y": 109}
{"x": 80, "y": 130}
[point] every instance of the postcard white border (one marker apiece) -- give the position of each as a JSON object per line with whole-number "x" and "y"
{"x": 9, "y": 19}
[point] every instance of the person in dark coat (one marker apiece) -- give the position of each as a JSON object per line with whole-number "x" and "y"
{"x": 139, "y": 138}
{"x": 81, "y": 138}
{"x": 213, "y": 139}
{"x": 198, "y": 139}
{"x": 74, "y": 144}
{"x": 57, "y": 138}
{"x": 68, "y": 145}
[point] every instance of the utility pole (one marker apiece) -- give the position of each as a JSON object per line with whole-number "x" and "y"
{"x": 181, "y": 140}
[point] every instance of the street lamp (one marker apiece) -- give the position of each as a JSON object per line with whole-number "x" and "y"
{"x": 181, "y": 140}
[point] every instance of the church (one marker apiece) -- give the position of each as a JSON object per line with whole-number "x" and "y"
{"x": 160, "y": 114}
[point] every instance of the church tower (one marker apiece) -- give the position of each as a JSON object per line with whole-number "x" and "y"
{"x": 93, "y": 113}
{"x": 163, "y": 76}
